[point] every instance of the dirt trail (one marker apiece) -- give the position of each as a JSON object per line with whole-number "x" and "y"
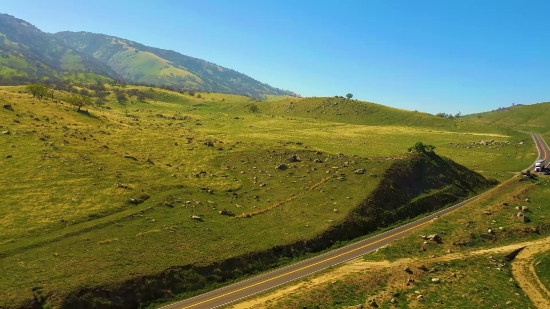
{"x": 522, "y": 269}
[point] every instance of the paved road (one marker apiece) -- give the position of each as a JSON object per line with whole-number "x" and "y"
{"x": 283, "y": 275}
{"x": 544, "y": 151}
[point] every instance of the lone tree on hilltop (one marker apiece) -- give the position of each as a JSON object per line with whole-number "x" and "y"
{"x": 349, "y": 96}
{"x": 37, "y": 90}
{"x": 421, "y": 148}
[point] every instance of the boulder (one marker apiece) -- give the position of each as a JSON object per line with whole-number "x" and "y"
{"x": 226, "y": 212}
{"x": 522, "y": 217}
{"x": 130, "y": 157}
{"x": 292, "y": 158}
{"x": 435, "y": 238}
{"x": 281, "y": 167}
{"x": 8, "y": 107}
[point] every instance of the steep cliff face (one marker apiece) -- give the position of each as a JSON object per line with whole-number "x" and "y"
{"x": 412, "y": 186}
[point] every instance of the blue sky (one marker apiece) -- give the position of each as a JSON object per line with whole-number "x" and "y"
{"x": 432, "y": 55}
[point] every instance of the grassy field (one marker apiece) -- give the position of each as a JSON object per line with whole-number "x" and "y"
{"x": 113, "y": 190}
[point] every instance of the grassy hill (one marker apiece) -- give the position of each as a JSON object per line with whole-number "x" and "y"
{"x": 532, "y": 117}
{"x": 28, "y": 54}
{"x": 139, "y": 63}
{"x": 113, "y": 189}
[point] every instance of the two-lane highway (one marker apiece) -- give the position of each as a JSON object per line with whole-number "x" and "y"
{"x": 292, "y": 272}
{"x": 544, "y": 151}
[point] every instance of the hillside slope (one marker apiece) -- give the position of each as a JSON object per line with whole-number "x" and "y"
{"x": 534, "y": 117}
{"x": 139, "y": 63}
{"x": 28, "y": 54}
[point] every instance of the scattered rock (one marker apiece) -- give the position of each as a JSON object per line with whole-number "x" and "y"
{"x": 488, "y": 213}
{"x": 292, "y": 158}
{"x": 436, "y": 280}
{"x": 226, "y": 212}
{"x": 6, "y": 132}
{"x": 8, "y": 156}
{"x": 197, "y": 218}
{"x": 150, "y": 161}
{"x": 360, "y": 171}
{"x": 423, "y": 268}
{"x": 524, "y": 208}
{"x": 209, "y": 143}
{"x": 121, "y": 185}
{"x": 8, "y": 107}
{"x": 281, "y": 167}
{"x": 435, "y": 238}
{"x": 408, "y": 270}
{"x": 420, "y": 297}
{"x": 522, "y": 217}
{"x": 130, "y": 157}
{"x": 372, "y": 303}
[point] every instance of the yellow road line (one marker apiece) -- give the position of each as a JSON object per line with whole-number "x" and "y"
{"x": 308, "y": 266}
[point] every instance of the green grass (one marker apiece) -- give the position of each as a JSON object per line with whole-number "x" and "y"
{"x": 465, "y": 283}
{"x": 532, "y": 117}
{"x": 64, "y": 215}
{"x": 542, "y": 268}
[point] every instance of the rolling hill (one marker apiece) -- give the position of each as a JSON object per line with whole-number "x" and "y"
{"x": 28, "y": 54}
{"x": 136, "y": 62}
{"x": 532, "y": 117}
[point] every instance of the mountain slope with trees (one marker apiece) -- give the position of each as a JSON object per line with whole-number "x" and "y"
{"x": 138, "y": 63}
{"x": 28, "y": 54}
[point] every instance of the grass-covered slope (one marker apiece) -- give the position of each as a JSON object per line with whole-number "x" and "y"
{"x": 28, "y": 54}
{"x": 112, "y": 190}
{"x": 139, "y": 63}
{"x": 534, "y": 117}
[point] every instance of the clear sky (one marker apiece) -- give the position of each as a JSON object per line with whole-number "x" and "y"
{"x": 426, "y": 55}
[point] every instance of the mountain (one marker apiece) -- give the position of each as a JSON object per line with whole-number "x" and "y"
{"x": 28, "y": 54}
{"x": 138, "y": 63}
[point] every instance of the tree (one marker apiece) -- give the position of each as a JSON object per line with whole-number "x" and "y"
{"x": 79, "y": 100}
{"x": 420, "y": 147}
{"x": 349, "y": 96}
{"x": 37, "y": 90}
{"x": 99, "y": 102}
{"x": 121, "y": 97}
{"x": 51, "y": 92}
{"x": 253, "y": 108}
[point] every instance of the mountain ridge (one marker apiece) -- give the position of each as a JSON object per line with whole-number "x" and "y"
{"x": 27, "y": 54}
{"x": 144, "y": 64}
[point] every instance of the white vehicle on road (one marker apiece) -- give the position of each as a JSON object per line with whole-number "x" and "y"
{"x": 539, "y": 166}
